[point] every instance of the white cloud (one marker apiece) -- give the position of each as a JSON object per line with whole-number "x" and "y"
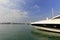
{"x": 36, "y": 6}
{"x": 4, "y": 1}
{"x": 12, "y": 3}
{"x": 11, "y": 15}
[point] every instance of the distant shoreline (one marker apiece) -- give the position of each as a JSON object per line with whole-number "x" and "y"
{"x": 14, "y": 23}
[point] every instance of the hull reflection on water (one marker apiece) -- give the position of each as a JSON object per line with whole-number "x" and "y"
{"x": 50, "y": 32}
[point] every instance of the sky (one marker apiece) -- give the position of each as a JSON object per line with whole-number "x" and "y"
{"x": 28, "y": 10}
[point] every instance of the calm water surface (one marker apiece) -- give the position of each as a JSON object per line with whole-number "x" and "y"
{"x": 23, "y": 32}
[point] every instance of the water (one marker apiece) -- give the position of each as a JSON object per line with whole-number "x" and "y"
{"x": 24, "y": 32}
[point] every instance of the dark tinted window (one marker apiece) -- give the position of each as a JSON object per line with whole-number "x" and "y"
{"x": 57, "y": 18}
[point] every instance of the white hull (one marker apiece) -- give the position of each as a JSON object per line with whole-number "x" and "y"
{"x": 48, "y": 29}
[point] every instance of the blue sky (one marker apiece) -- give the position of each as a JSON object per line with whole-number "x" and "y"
{"x": 27, "y": 10}
{"x": 40, "y": 9}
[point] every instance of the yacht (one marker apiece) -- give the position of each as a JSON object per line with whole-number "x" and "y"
{"x": 52, "y": 24}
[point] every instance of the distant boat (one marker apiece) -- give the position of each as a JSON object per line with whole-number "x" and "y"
{"x": 52, "y": 24}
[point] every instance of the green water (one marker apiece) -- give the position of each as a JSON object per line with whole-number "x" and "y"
{"x": 24, "y": 32}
